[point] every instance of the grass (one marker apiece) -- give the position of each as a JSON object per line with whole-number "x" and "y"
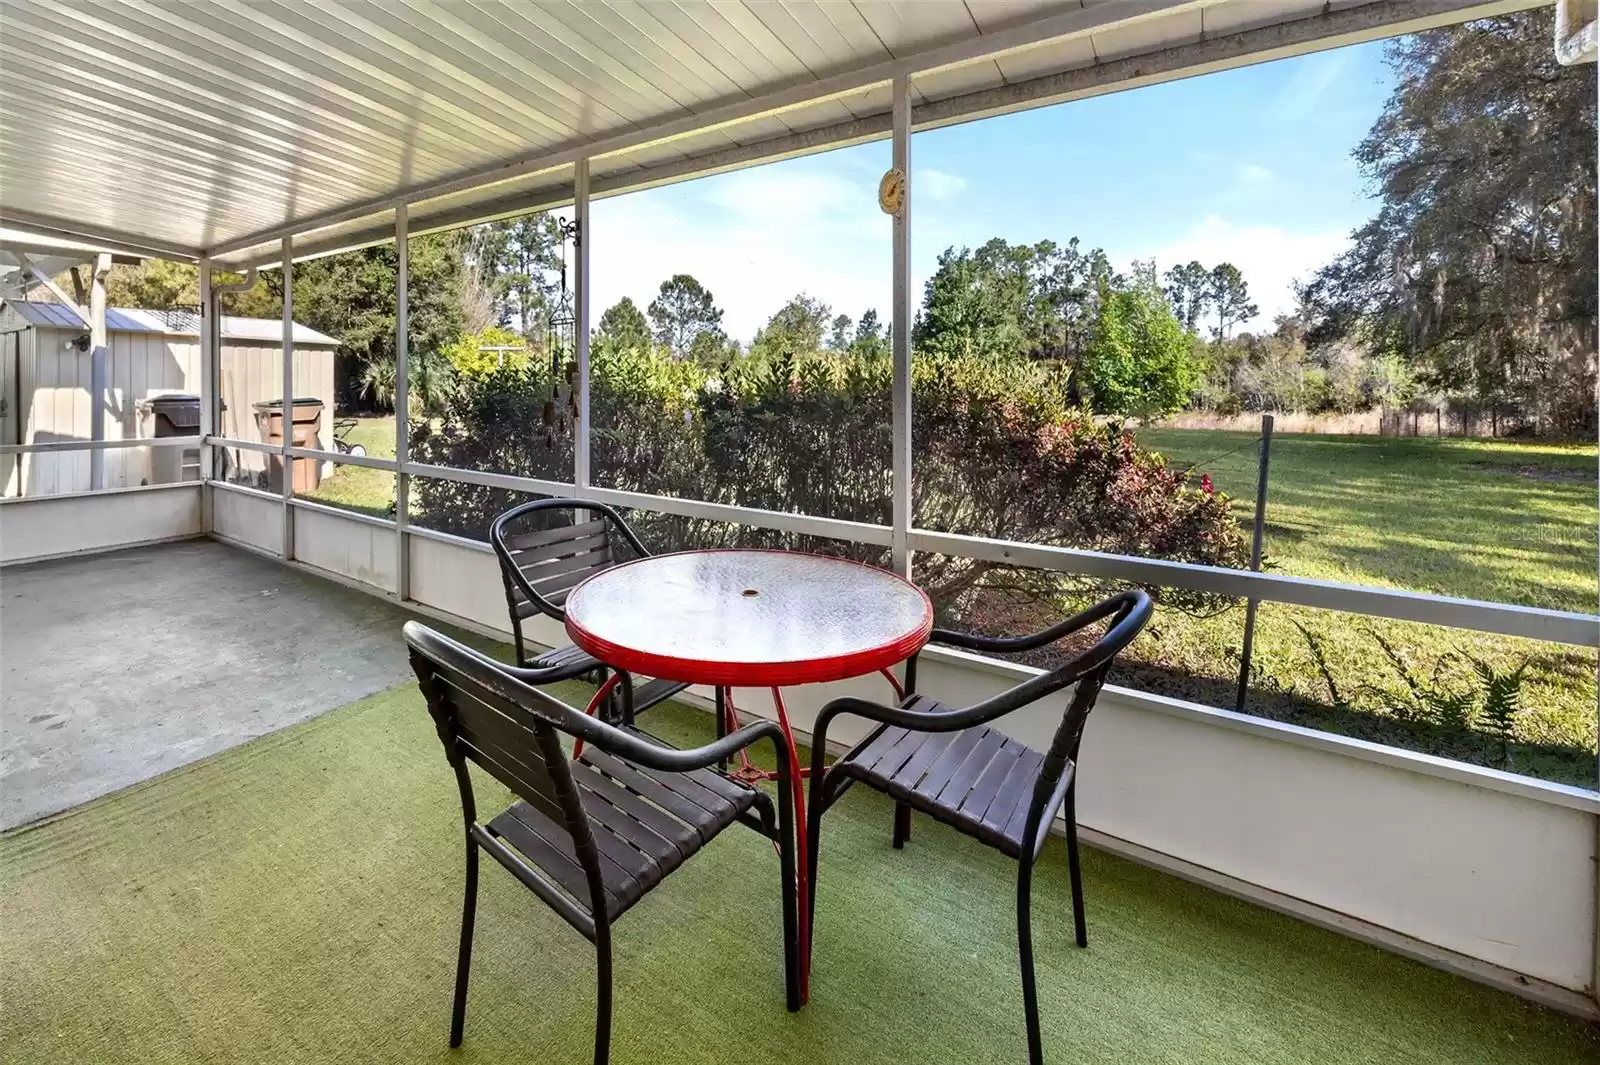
{"x": 295, "y": 900}
{"x": 1494, "y": 520}
{"x": 357, "y": 488}
{"x": 1480, "y": 519}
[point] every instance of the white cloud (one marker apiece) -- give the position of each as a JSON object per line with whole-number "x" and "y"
{"x": 1255, "y": 174}
{"x": 754, "y": 238}
{"x": 1271, "y": 258}
{"x": 1313, "y": 76}
{"x": 937, "y": 185}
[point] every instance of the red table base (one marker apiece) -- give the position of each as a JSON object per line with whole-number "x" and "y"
{"x": 750, "y": 773}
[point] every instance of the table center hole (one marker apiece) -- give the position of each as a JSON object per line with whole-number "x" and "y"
{"x": 749, "y": 593}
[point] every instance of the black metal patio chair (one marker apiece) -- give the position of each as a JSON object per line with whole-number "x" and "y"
{"x": 949, "y": 764}
{"x": 588, "y": 836}
{"x": 544, "y": 553}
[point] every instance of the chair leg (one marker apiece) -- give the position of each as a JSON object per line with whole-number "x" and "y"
{"x": 722, "y": 722}
{"x": 602, "y": 1007}
{"x": 626, "y": 689}
{"x": 1030, "y": 997}
{"x": 1079, "y": 925}
{"x": 469, "y": 910}
{"x": 791, "y": 906}
{"x": 902, "y": 825}
{"x": 814, "y": 806}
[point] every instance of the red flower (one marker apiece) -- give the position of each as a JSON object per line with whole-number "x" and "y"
{"x": 1205, "y": 484}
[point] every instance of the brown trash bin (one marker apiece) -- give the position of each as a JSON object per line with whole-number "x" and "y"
{"x": 307, "y": 424}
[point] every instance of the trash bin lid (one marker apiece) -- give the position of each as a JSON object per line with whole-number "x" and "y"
{"x": 298, "y": 401}
{"x": 180, "y": 408}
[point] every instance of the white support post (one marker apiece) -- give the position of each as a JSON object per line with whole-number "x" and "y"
{"x": 581, "y": 474}
{"x": 97, "y": 369}
{"x": 900, "y": 326}
{"x": 208, "y": 391}
{"x": 287, "y": 409}
{"x": 402, "y": 402}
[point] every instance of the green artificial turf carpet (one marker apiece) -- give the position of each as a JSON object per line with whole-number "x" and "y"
{"x": 295, "y": 900}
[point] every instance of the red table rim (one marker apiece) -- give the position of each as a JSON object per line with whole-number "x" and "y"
{"x": 754, "y": 674}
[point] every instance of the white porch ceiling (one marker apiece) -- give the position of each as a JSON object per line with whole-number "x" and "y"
{"x": 216, "y": 126}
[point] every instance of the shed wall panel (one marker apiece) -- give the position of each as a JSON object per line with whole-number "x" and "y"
{"x": 253, "y": 373}
{"x": 48, "y": 385}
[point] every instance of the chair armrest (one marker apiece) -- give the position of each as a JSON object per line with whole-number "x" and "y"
{"x": 537, "y": 676}
{"x": 1120, "y": 605}
{"x": 636, "y": 749}
{"x": 510, "y": 684}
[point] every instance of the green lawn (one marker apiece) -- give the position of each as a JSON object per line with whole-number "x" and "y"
{"x": 1493, "y": 520}
{"x": 358, "y": 489}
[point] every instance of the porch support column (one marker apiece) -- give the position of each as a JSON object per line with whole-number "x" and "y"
{"x": 402, "y": 401}
{"x": 580, "y": 329}
{"x": 286, "y": 411}
{"x": 97, "y": 369}
{"x": 208, "y": 390}
{"x": 900, "y": 327}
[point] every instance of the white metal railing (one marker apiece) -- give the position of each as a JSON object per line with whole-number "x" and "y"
{"x": 244, "y": 445}
{"x": 804, "y": 524}
{"x": 53, "y": 446}
{"x": 1502, "y": 619}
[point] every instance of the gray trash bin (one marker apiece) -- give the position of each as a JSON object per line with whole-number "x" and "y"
{"x": 177, "y": 414}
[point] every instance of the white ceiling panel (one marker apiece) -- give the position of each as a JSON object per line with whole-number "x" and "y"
{"x": 216, "y": 126}
{"x": 907, "y": 26}
{"x": 953, "y": 81}
{"x": 1049, "y": 58}
{"x": 1166, "y": 31}
{"x": 992, "y": 15}
{"x": 1239, "y": 15}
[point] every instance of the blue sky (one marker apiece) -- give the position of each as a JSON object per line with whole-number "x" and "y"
{"x": 1250, "y": 166}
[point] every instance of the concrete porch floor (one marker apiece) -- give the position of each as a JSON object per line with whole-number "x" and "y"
{"x": 116, "y": 668}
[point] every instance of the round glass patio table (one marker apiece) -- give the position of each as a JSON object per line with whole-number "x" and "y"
{"x": 752, "y": 619}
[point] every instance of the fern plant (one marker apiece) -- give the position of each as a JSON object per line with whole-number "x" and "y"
{"x": 1425, "y": 699}
{"x": 1502, "y": 702}
{"x": 1486, "y": 700}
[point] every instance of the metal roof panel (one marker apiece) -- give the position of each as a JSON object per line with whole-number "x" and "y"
{"x": 236, "y": 120}
{"x": 174, "y": 323}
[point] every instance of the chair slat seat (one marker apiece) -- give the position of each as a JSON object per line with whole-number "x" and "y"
{"x": 652, "y": 692}
{"x": 645, "y": 824}
{"x": 572, "y": 661}
{"x": 546, "y": 548}
{"x": 949, "y": 764}
{"x": 977, "y": 780}
{"x": 590, "y": 836}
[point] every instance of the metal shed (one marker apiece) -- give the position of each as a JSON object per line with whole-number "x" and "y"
{"x": 45, "y": 382}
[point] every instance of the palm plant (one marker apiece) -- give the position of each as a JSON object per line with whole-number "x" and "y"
{"x": 430, "y": 378}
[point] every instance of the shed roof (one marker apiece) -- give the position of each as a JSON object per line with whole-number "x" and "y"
{"x": 169, "y": 323}
{"x": 231, "y": 124}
